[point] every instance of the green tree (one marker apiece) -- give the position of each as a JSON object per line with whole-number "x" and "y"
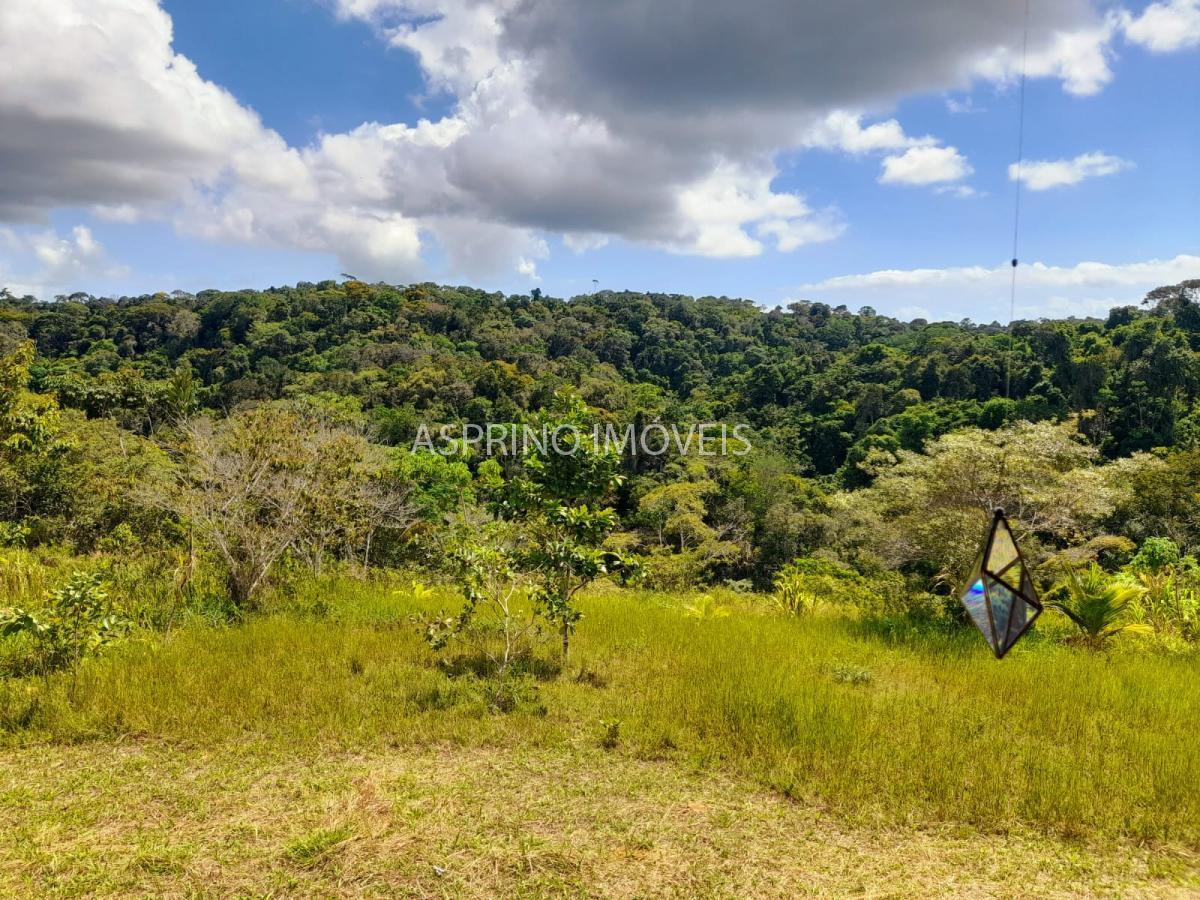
{"x": 928, "y": 510}
{"x": 33, "y": 449}
{"x": 560, "y": 496}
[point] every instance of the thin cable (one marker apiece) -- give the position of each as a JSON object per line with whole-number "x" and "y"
{"x": 1012, "y": 297}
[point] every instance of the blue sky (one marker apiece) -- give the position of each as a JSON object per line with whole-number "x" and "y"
{"x": 294, "y": 149}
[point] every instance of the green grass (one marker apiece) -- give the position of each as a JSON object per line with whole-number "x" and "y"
{"x": 881, "y": 732}
{"x": 310, "y": 849}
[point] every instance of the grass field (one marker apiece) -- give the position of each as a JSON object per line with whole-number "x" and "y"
{"x": 751, "y": 754}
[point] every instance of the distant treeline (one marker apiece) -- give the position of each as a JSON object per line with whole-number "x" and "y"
{"x": 835, "y": 402}
{"x": 822, "y": 385}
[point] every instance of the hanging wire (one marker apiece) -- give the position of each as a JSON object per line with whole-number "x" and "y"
{"x": 1012, "y": 296}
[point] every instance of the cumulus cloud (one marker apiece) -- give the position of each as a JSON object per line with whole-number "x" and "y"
{"x": 582, "y": 243}
{"x": 568, "y": 117}
{"x": 1041, "y": 175}
{"x": 98, "y": 110}
{"x": 762, "y": 56}
{"x": 843, "y": 130}
{"x": 719, "y": 208}
{"x": 924, "y": 160}
{"x": 44, "y": 262}
{"x": 1165, "y": 27}
{"x": 925, "y": 165}
{"x": 527, "y": 268}
{"x": 1086, "y": 288}
{"x": 1079, "y": 57}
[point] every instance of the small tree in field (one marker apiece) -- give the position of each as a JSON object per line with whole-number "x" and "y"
{"x": 240, "y": 490}
{"x": 559, "y": 498}
{"x": 78, "y": 619}
{"x": 492, "y": 588}
{"x": 270, "y": 481}
{"x": 565, "y": 556}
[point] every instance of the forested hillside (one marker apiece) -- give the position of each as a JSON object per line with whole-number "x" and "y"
{"x": 821, "y": 385}
{"x": 851, "y": 414}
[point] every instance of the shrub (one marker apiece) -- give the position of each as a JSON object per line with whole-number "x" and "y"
{"x": 610, "y": 733}
{"x": 493, "y": 603}
{"x": 807, "y": 581}
{"x": 1169, "y": 602}
{"x": 1170, "y": 588}
{"x": 665, "y": 570}
{"x": 77, "y": 620}
{"x": 13, "y": 534}
{"x": 1155, "y": 555}
{"x": 1096, "y": 603}
{"x": 705, "y": 607}
{"x": 792, "y": 594}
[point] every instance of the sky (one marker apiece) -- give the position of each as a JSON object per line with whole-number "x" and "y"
{"x": 856, "y": 153}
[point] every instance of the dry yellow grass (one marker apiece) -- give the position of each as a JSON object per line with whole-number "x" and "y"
{"x": 158, "y": 819}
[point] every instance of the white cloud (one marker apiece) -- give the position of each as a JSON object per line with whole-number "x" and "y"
{"x": 1041, "y": 175}
{"x": 1165, "y": 27}
{"x": 53, "y": 263}
{"x": 925, "y": 165}
{"x": 962, "y": 107}
{"x": 526, "y": 265}
{"x": 98, "y": 110}
{"x": 582, "y": 243}
{"x": 790, "y": 234}
{"x": 1089, "y": 274}
{"x": 843, "y": 130}
{"x": 1079, "y": 57}
{"x": 567, "y": 117}
{"x": 962, "y": 191}
{"x": 1087, "y": 288}
{"x": 925, "y": 161}
{"x": 721, "y": 206}
{"x": 908, "y": 313}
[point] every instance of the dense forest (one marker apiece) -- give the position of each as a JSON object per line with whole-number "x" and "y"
{"x": 878, "y": 445}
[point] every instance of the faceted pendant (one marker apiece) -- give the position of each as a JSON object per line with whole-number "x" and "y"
{"x": 999, "y": 596}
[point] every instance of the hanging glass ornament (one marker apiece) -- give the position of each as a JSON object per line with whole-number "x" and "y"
{"x": 1000, "y": 596}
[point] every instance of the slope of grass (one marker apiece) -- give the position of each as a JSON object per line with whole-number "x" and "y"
{"x": 153, "y": 819}
{"x": 873, "y": 734}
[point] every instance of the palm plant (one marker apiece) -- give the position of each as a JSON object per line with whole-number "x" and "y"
{"x": 1096, "y": 604}
{"x": 706, "y": 606}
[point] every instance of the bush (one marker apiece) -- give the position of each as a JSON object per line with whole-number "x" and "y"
{"x": 78, "y": 620}
{"x": 665, "y": 570}
{"x": 1096, "y": 603}
{"x": 1155, "y": 555}
{"x": 1169, "y": 584}
{"x": 792, "y": 594}
{"x": 808, "y": 581}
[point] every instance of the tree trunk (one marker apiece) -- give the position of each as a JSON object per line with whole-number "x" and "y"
{"x": 237, "y": 592}
{"x": 566, "y": 639}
